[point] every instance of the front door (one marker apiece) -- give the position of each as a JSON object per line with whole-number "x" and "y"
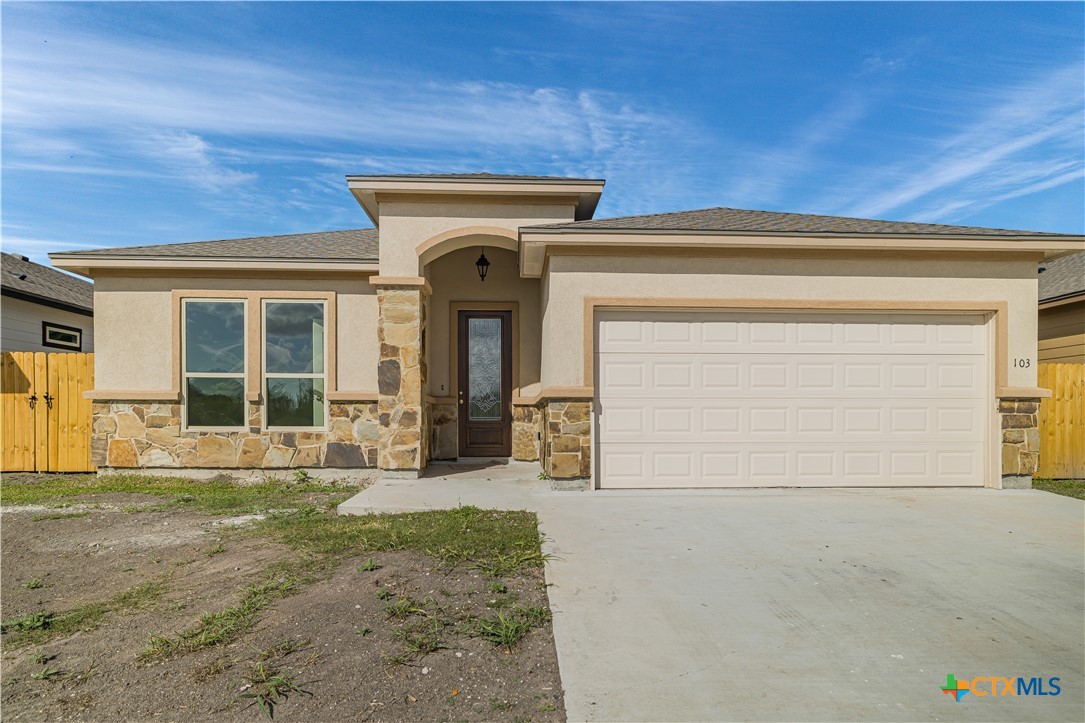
{"x": 485, "y": 383}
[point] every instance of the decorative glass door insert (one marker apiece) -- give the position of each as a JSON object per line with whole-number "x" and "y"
{"x": 484, "y": 369}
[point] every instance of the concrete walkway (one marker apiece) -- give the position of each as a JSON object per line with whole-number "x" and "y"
{"x": 797, "y": 604}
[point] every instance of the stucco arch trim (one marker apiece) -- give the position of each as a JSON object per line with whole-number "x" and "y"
{"x": 458, "y": 238}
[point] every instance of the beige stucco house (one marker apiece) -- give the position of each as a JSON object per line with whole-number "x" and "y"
{"x": 709, "y": 348}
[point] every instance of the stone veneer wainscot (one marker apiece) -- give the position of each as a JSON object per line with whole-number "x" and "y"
{"x": 149, "y": 435}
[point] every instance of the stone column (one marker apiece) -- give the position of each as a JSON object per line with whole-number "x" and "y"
{"x": 567, "y": 444}
{"x": 401, "y": 376}
{"x": 1020, "y": 441}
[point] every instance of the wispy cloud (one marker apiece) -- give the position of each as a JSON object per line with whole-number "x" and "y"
{"x": 1021, "y": 140}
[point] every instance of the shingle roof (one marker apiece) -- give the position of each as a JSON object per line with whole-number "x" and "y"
{"x": 26, "y": 278}
{"x": 1062, "y": 277}
{"x": 352, "y": 245}
{"x": 475, "y": 176}
{"x": 739, "y": 220}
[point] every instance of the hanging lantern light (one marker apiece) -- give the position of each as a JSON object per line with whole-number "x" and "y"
{"x": 483, "y": 265}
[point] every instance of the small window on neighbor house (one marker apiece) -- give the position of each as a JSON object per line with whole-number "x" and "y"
{"x": 58, "y": 336}
{"x": 294, "y": 369}
{"x": 213, "y": 341}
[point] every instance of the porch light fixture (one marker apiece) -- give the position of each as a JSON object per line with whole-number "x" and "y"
{"x": 482, "y": 265}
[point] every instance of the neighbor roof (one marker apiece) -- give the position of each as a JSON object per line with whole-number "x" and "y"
{"x": 775, "y": 222}
{"x": 358, "y": 244}
{"x": 1062, "y": 278}
{"x": 22, "y": 278}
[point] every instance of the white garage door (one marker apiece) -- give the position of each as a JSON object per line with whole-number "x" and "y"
{"x": 724, "y": 399}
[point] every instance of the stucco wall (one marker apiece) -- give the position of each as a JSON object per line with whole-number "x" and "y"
{"x": 571, "y": 278}
{"x": 20, "y": 326}
{"x": 454, "y": 279}
{"x": 403, "y": 226}
{"x": 135, "y": 336}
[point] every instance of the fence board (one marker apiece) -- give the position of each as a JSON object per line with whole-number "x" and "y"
{"x": 1062, "y": 421}
{"x": 50, "y": 435}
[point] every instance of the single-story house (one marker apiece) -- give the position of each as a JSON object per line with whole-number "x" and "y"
{"x": 1062, "y": 310}
{"x": 42, "y": 309}
{"x": 491, "y": 316}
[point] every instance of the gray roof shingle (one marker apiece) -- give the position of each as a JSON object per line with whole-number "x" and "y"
{"x": 351, "y": 245}
{"x": 740, "y": 220}
{"x": 26, "y": 278}
{"x": 1062, "y": 277}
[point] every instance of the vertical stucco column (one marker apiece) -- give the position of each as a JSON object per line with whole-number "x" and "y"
{"x": 401, "y": 375}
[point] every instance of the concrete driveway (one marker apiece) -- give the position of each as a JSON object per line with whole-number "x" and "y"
{"x": 801, "y": 605}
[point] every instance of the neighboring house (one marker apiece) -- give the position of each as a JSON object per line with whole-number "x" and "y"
{"x": 43, "y": 309}
{"x": 489, "y": 316}
{"x": 1062, "y": 309}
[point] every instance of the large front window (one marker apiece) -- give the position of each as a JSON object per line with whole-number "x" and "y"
{"x": 294, "y": 368}
{"x": 214, "y": 364}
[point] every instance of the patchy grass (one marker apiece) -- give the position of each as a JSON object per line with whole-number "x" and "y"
{"x": 496, "y": 542}
{"x": 217, "y": 497}
{"x": 1066, "y": 487}
{"x": 59, "y": 516}
{"x": 34, "y": 583}
{"x": 506, "y": 631}
{"x": 44, "y": 625}
{"x": 223, "y": 626}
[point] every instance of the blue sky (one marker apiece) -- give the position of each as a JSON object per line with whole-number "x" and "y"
{"x": 138, "y": 123}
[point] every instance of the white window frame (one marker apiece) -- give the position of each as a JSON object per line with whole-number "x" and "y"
{"x": 264, "y": 376}
{"x": 47, "y": 326}
{"x": 186, "y": 375}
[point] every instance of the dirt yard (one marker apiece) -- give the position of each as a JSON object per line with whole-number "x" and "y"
{"x": 124, "y": 606}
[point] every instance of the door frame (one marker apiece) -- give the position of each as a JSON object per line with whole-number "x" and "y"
{"x": 508, "y": 366}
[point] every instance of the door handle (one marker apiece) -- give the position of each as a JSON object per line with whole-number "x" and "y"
{"x": 33, "y": 399}
{"x": 48, "y": 401}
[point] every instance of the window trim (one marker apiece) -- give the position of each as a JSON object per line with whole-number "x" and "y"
{"x": 46, "y": 341}
{"x": 186, "y": 375}
{"x": 264, "y": 376}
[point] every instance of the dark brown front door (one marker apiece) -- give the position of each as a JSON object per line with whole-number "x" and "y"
{"x": 485, "y": 383}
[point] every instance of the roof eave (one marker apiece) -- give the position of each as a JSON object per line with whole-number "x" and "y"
{"x": 534, "y": 242}
{"x": 86, "y": 265}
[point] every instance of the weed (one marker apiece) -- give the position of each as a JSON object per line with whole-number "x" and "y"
{"x": 516, "y": 561}
{"x": 501, "y": 630}
{"x": 45, "y": 673}
{"x": 497, "y": 588}
{"x": 267, "y": 687}
{"x": 535, "y": 617}
{"x": 362, "y": 631}
{"x": 301, "y": 476}
{"x": 177, "y": 605}
{"x": 34, "y": 583}
{"x": 369, "y": 566}
{"x": 544, "y": 476}
{"x": 385, "y": 594}
{"x": 128, "y": 568}
{"x": 422, "y": 639}
{"x": 503, "y": 601}
{"x": 499, "y": 706}
{"x": 80, "y": 678}
{"x": 547, "y": 708}
{"x": 216, "y": 550}
{"x": 141, "y": 596}
{"x": 404, "y": 608}
{"x": 28, "y": 622}
{"x": 40, "y": 658}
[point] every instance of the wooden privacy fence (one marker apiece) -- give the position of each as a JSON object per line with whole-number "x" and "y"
{"x": 1062, "y": 422}
{"x": 46, "y": 422}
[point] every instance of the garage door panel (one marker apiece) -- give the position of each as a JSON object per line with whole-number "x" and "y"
{"x": 752, "y": 465}
{"x": 663, "y": 375}
{"x": 678, "y": 421}
{"x": 755, "y": 332}
{"x": 718, "y": 399}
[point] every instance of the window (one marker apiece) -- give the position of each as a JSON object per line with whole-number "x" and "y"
{"x": 213, "y": 338}
{"x": 59, "y": 336}
{"x": 294, "y": 369}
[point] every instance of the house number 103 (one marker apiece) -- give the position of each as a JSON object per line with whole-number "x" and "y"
{"x": 1023, "y": 363}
